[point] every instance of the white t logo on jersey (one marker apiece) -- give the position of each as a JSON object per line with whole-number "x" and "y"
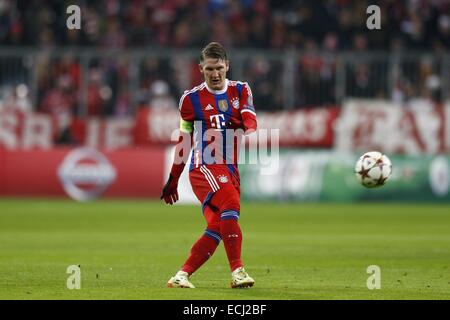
{"x": 217, "y": 121}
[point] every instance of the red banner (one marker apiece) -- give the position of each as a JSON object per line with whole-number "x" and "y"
{"x": 300, "y": 128}
{"x": 82, "y": 173}
{"x": 37, "y": 131}
{"x": 417, "y": 128}
{"x": 26, "y": 130}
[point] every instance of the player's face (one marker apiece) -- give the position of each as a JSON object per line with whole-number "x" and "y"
{"x": 215, "y": 72}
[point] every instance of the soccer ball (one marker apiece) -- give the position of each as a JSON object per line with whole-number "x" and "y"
{"x": 373, "y": 169}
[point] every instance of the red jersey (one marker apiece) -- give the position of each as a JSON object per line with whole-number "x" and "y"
{"x": 215, "y": 116}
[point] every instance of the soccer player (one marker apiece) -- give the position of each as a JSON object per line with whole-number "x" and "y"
{"x": 208, "y": 113}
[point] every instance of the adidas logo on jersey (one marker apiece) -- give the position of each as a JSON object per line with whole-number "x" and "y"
{"x": 209, "y": 107}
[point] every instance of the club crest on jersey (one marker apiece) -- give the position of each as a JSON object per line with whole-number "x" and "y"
{"x": 222, "y": 178}
{"x": 223, "y": 105}
{"x": 235, "y": 103}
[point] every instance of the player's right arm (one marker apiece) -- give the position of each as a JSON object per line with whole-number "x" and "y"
{"x": 182, "y": 150}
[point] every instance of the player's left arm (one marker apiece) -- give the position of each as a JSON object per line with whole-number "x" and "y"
{"x": 182, "y": 150}
{"x": 248, "y": 112}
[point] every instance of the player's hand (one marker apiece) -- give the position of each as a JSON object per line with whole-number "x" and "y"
{"x": 169, "y": 192}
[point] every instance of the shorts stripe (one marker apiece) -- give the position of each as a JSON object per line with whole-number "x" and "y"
{"x": 212, "y": 181}
{"x": 209, "y": 179}
{"x": 212, "y": 177}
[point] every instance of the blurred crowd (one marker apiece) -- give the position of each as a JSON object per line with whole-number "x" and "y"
{"x": 65, "y": 84}
{"x": 331, "y": 24}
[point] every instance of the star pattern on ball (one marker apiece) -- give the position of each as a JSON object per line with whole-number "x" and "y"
{"x": 364, "y": 173}
{"x": 381, "y": 180}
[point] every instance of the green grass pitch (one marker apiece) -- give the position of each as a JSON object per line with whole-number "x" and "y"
{"x": 129, "y": 249}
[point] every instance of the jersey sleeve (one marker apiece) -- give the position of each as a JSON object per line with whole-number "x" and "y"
{"x": 186, "y": 114}
{"x": 247, "y": 109}
{"x": 186, "y": 108}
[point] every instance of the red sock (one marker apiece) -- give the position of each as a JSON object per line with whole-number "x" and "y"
{"x": 232, "y": 241}
{"x": 201, "y": 251}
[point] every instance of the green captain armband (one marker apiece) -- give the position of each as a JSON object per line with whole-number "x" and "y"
{"x": 186, "y": 126}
